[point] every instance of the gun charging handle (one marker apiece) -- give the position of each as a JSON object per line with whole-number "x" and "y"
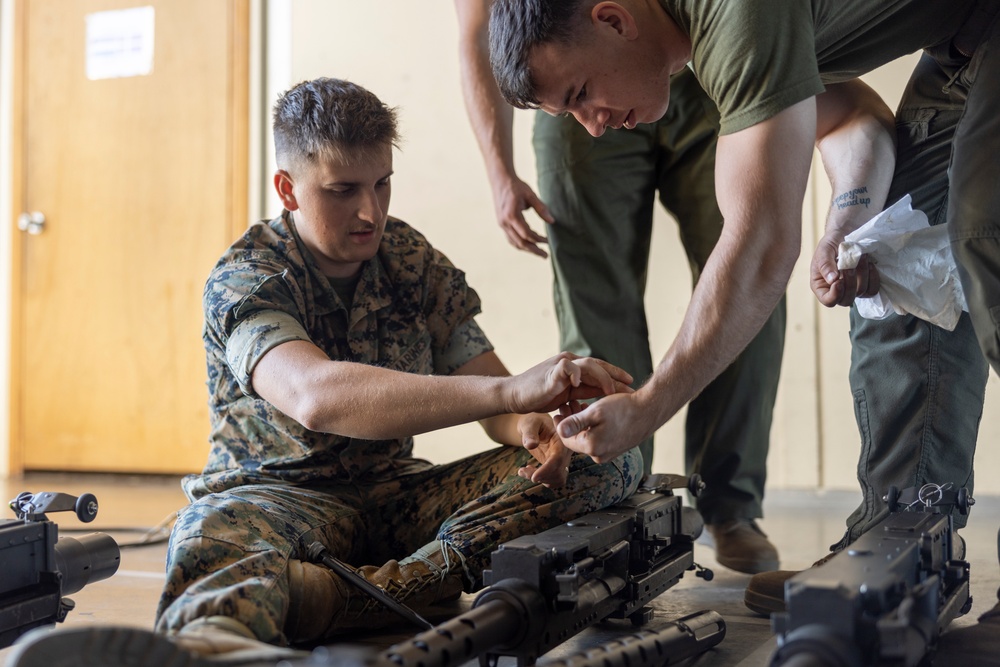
{"x": 33, "y": 506}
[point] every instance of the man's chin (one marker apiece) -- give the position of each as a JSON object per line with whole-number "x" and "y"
{"x": 653, "y": 115}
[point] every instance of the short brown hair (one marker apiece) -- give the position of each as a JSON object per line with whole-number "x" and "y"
{"x": 516, "y": 28}
{"x": 326, "y": 117}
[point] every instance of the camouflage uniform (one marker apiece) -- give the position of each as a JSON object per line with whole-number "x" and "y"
{"x": 271, "y": 487}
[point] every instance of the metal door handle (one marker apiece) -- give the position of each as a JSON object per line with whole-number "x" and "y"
{"x": 33, "y": 222}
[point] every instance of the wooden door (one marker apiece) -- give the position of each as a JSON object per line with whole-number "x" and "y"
{"x": 142, "y": 183}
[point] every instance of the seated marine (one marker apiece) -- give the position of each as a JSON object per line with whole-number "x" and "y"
{"x": 334, "y": 333}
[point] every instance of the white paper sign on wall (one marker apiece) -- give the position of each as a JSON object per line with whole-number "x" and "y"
{"x": 120, "y": 43}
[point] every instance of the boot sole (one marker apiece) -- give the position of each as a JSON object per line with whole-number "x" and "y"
{"x": 764, "y": 605}
{"x": 99, "y": 647}
{"x": 748, "y": 565}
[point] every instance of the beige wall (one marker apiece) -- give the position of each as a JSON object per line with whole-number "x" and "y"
{"x": 406, "y": 52}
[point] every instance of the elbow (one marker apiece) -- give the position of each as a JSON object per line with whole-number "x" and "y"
{"x": 880, "y": 130}
{"x": 324, "y": 415}
{"x": 886, "y": 120}
{"x": 781, "y": 253}
{"x": 312, "y": 415}
{"x": 314, "y": 410}
{"x": 786, "y": 255}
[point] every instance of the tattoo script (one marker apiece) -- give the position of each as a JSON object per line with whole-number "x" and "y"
{"x": 853, "y": 198}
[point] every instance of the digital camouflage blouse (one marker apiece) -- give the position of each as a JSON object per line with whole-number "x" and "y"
{"x": 412, "y": 311}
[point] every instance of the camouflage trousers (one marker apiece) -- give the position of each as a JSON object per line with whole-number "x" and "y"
{"x": 229, "y": 551}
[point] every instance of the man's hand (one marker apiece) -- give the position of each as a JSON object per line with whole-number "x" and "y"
{"x": 839, "y": 288}
{"x": 562, "y": 379}
{"x": 493, "y": 121}
{"x": 538, "y": 435}
{"x": 606, "y": 428}
{"x": 511, "y": 197}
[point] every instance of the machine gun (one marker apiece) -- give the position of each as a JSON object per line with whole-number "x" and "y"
{"x": 886, "y": 598}
{"x": 545, "y": 588}
{"x": 39, "y": 568}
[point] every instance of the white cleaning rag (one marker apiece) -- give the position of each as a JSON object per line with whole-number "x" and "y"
{"x": 915, "y": 264}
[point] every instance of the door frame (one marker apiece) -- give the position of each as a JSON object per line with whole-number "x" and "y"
{"x": 6, "y": 221}
{"x": 244, "y": 56}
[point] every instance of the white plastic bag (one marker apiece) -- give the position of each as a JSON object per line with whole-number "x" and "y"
{"x": 915, "y": 264}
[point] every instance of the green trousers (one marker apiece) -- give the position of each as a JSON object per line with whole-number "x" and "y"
{"x": 602, "y": 192}
{"x": 919, "y": 389}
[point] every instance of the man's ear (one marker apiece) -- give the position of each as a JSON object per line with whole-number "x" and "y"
{"x": 285, "y": 189}
{"x": 612, "y": 15}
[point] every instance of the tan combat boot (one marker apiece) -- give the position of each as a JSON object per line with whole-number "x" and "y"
{"x": 322, "y": 605}
{"x": 741, "y": 545}
{"x": 765, "y": 592}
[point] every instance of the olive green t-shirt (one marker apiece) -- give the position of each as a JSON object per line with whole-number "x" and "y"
{"x": 758, "y": 57}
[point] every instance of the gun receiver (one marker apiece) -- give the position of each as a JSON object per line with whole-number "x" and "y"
{"x": 885, "y": 599}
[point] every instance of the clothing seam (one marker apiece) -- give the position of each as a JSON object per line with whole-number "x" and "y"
{"x": 861, "y": 405}
{"x": 930, "y": 404}
{"x": 982, "y": 233}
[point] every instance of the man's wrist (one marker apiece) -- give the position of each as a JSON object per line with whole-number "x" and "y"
{"x": 500, "y": 389}
{"x": 652, "y": 402}
{"x": 500, "y": 173}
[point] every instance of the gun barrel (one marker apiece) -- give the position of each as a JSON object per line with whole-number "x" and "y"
{"x": 455, "y": 641}
{"x": 84, "y": 560}
{"x": 682, "y": 639}
{"x": 495, "y": 623}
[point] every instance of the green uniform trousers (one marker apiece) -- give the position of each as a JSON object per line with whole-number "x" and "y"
{"x": 919, "y": 389}
{"x": 601, "y": 192}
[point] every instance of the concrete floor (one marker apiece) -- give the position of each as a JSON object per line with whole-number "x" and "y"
{"x": 801, "y": 524}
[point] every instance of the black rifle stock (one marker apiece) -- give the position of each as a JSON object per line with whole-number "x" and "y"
{"x": 886, "y": 598}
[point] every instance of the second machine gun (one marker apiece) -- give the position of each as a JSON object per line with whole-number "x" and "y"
{"x": 885, "y": 599}
{"x": 40, "y": 568}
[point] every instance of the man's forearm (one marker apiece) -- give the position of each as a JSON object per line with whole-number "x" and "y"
{"x": 761, "y": 175}
{"x": 857, "y": 144}
{"x": 491, "y": 117}
{"x": 374, "y": 403}
{"x": 392, "y": 404}
{"x": 502, "y": 429}
{"x": 369, "y": 402}
{"x": 724, "y": 315}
